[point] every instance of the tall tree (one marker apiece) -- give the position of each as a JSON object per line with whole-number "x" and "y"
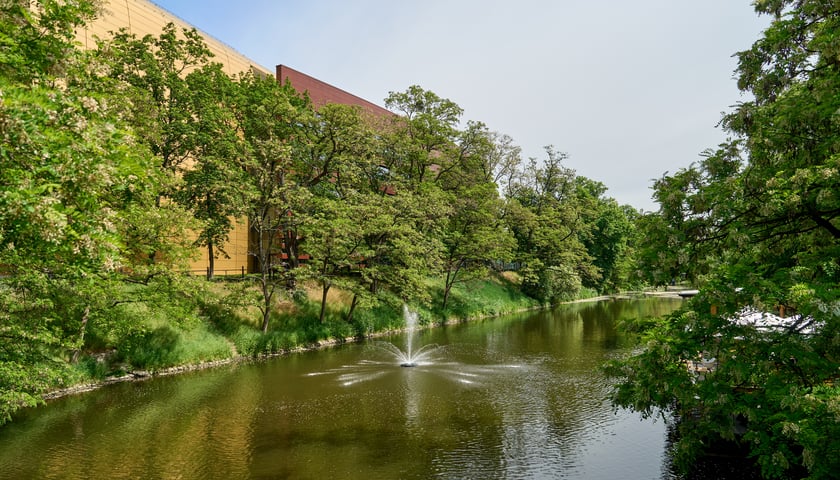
{"x": 462, "y": 167}
{"x": 71, "y": 177}
{"x": 335, "y": 243}
{"x": 150, "y": 73}
{"x": 157, "y": 67}
{"x": 400, "y": 224}
{"x": 402, "y": 238}
{"x": 271, "y": 118}
{"x": 474, "y": 237}
{"x": 38, "y": 37}
{"x": 502, "y": 163}
{"x": 340, "y": 152}
{"x": 548, "y": 221}
{"x": 762, "y": 215}
{"x": 608, "y": 238}
{"x": 428, "y": 131}
{"x": 211, "y": 182}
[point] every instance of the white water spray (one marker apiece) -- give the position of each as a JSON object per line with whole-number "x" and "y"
{"x": 410, "y": 324}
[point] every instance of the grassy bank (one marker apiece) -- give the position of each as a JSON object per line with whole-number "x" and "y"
{"x": 296, "y": 323}
{"x": 216, "y": 322}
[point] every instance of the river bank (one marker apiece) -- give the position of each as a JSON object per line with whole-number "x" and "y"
{"x": 139, "y": 375}
{"x": 489, "y": 385}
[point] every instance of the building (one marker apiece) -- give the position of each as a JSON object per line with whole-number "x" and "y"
{"x": 322, "y": 93}
{"x": 142, "y": 17}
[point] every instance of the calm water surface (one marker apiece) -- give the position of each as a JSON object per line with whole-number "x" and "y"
{"x": 519, "y": 397}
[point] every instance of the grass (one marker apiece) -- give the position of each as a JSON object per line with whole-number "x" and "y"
{"x": 186, "y": 321}
{"x": 168, "y": 346}
{"x": 493, "y": 296}
{"x": 216, "y": 320}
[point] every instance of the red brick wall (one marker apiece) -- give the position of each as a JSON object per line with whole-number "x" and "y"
{"x": 322, "y": 93}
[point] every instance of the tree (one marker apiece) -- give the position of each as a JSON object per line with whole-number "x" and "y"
{"x": 211, "y": 184}
{"x": 474, "y": 237}
{"x": 340, "y": 153}
{"x": 150, "y": 74}
{"x": 365, "y": 240}
{"x": 502, "y": 163}
{"x": 761, "y": 216}
{"x": 400, "y": 225}
{"x": 427, "y": 132}
{"x": 608, "y": 240}
{"x": 335, "y": 243}
{"x": 37, "y": 37}
{"x": 548, "y": 222}
{"x": 157, "y": 67}
{"x": 463, "y": 168}
{"x": 402, "y": 236}
{"x": 72, "y": 177}
{"x": 270, "y": 117}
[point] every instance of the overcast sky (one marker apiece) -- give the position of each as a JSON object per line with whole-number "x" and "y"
{"x": 628, "y": 89}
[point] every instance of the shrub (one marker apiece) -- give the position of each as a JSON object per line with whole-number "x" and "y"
{"x": 550, "y": 284}
{"x": 166, "y": 346}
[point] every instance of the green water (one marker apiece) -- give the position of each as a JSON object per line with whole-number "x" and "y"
{"x": 519, "y": 397}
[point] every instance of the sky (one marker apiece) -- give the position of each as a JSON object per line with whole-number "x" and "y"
{"x": 629, "y": 90}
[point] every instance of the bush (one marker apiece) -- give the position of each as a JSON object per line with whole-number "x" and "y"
{"x": 381, "y": 317}
{"x": 166, "y": 346}
{"x": 247, "y": 341}
{"x": 276, "y": 342}
{"x": 550, "y": 284}
{"x": 91, "y": 368}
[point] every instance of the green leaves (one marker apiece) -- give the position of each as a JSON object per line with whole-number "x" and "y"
{"x": 756, "y": 224}
{"x": 38, "y": 46}
{"x": 61, "y": 185}
{"x": 162, "y": 98}
{"x": 569, "y": 234}
{"x": 78, "y": 195}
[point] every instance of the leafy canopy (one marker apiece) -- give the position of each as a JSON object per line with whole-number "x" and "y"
{"x": 756, "y": 224}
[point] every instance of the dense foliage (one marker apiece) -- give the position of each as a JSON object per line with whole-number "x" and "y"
{"x": 118, "y": 163}
{"x": 757, "y": 224}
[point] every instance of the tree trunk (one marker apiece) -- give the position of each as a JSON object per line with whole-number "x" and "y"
{"x": 352, "y": 308}
{"x": 446, "y": 291}
{"x": 78, "y": 351}
{"x": 212, "y": 261}
{"x": 451, "y": 276}
{"x": 447, "y": 288}
{"x": 264, "y": 258}
{"x": 268, "y": 294}
{"x": 325, "y": 288}
{"x": 290, "y": 248}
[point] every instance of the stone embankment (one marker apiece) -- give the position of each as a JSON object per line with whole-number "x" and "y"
{"x": 136, "y": 375}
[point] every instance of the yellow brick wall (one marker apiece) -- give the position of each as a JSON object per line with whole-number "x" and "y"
{"x": 142, "y": 17}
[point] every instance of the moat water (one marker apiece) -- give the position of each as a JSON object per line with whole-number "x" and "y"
{"x": 517, "y": 397}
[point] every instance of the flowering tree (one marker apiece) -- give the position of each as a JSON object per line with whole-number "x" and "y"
{"x": 757, "y": 223}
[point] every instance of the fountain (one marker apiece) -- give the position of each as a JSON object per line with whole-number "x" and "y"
{"x": 408, "y": 357}
{"x": 410, "y": 324}
{"x": 429, "y": 359}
